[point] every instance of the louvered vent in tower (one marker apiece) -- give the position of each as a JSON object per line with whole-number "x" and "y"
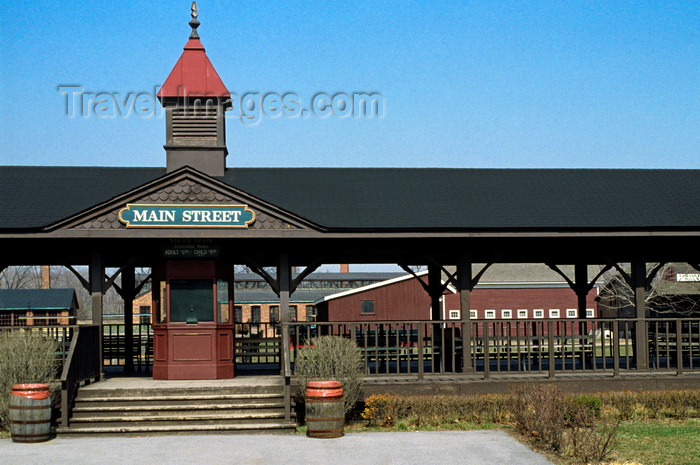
{"x": 194, "y": 124}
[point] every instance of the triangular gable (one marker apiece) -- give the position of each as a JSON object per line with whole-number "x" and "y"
{"x": 181, "y": 188}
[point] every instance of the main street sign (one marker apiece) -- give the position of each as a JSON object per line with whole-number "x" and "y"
{"x": 186, "y": 216}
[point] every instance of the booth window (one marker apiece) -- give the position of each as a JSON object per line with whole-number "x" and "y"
{"x": 367, "y": 306}
{"x": 222, "y": 298}
{"x": 163, "y": 303}
{"x": 191, "y": 300}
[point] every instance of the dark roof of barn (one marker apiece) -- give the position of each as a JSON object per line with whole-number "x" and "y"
{"x": 393, "y": 198}
{"x": 244, "y": 296}
{"x": 37, "y": 299}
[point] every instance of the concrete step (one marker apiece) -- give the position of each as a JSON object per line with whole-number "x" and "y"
{"x": 180, "y": 412}
{"x": 130, "y": 430}
{"x": 95, "y": 392}
{"x": 166, "y": 404}
{"x": 184, "y": 421}
{"x": 123, "y": 397}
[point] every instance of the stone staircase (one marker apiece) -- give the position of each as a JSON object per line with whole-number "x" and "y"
{"x": 180, "y": 408}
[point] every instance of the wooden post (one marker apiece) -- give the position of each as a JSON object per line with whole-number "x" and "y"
{"x": 128, "y": 294}
{"x": 434, "y": 285}
{"x": 581, "y": 283}
{"x": 284, "y": 282}
{"x": 97, "y": 279}
{"x": 641, "y": 340}
{"x": 464, "y": 281}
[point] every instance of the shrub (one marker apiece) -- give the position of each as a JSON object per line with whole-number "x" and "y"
{"x": 539, "y": 411}
{"x": 652, "y": 404}
{"x": 583, "y": 408}
{"x": 332, "y": 358}
{"x": 27, "y": 357}
{"x": 589, "y": 440}
{"x": 416, "y": 411}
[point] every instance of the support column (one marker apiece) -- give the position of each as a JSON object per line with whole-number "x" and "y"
{"x": 435, "y": 291}
{"x": 284, "y": 281}
{"x": 581, "y": 282}
{"x": 581, "y": 289}
{"x": 97, "y": 279}
{"x": 641, "y": 339}
{"x": 128, "y": 294}
{"x": 464, "y": 283}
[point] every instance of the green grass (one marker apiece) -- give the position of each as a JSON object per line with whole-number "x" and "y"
{"x": 659, "y": 442}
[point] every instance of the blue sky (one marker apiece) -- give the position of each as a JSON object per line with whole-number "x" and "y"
{"x": 483, "y": 84}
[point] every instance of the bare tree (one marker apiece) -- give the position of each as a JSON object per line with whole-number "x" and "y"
{"x": 20, "y": 277}
{"x": 664, "y": 293}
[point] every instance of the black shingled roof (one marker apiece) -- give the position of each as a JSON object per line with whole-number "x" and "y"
{"x": 394, "y": 198}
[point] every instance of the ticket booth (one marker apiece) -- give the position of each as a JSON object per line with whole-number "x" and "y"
{"x": 193, "y": 326}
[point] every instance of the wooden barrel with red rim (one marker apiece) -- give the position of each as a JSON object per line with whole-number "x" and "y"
{"x": 325, "y": 409}
{"x": 30, "y": 412}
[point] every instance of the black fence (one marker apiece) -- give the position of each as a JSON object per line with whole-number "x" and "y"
{"x": 422, "y": 348}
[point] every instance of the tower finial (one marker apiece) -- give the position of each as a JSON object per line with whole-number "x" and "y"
{"x": 194, "y": 22}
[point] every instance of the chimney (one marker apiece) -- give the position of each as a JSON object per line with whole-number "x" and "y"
{"x": 46, "y": 277}
{"x": 195, "y": 99}
{"x": 344, "y": 268}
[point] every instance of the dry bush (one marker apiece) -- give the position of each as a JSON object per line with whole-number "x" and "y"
{"x": 27, "y": 357}
{"x": 332, "y": 358}
{"x": 539, "y": 412}
{"x": 645, "y": 405}
{"x": 418, "y": 411}
{"x": 589, "y": 438}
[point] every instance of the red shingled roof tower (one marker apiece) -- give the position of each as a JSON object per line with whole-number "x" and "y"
{"x": 195, "y": 98}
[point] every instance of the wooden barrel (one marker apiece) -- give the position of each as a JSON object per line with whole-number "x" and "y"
{"x": 30, "y": 412}
{"x": 325, "y": 409}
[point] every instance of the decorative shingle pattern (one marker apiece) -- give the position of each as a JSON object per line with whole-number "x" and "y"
{"x": 184, "y": 191}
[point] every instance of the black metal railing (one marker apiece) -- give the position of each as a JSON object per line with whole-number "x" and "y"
{"x": 485, "y": 347}
{"x": 115, "y": 352}
{"x": 82, "y": 365}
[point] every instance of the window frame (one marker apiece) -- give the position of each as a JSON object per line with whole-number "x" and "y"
{"x": 365, "y": 305}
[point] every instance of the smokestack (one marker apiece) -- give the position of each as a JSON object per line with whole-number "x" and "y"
{"x": 46, "y": 277}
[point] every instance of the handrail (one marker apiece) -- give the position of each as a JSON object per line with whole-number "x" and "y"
{"x": 286, "y": 370}
{"x": 83, "y": 364}
{"x": 539, "y": 346}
